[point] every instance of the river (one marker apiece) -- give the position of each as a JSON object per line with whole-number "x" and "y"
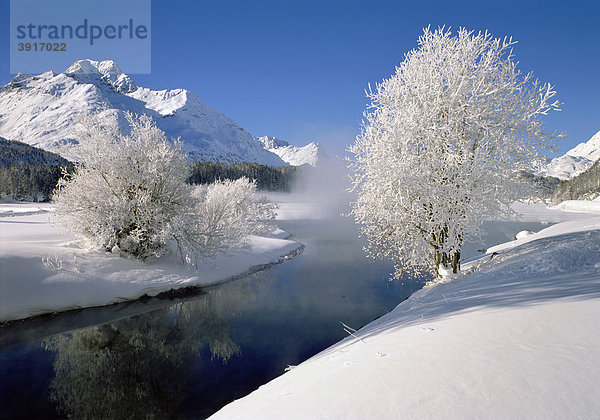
{"x": 188, "y": 356}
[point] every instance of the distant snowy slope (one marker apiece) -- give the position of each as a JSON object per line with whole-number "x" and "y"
{"x": 43, "y": 110}
{"x": 312, "y": 154}
{"x": 575, "y": 161}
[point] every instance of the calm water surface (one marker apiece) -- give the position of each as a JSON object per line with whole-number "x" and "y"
{"x": 188, "y": 357}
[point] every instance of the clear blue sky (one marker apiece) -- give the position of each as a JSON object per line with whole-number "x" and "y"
{"x": 298, "y": 69}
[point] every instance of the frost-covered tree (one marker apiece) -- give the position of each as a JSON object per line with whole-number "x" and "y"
{"x": 223, "y": 215}
{"x": 441, "y": 146}
{"x": 126, "y": 189}
{"x": 128, "y": 194}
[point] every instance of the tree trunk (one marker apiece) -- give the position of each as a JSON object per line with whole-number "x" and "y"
{"x": 455, "y": 261}
{"x": 442, "y": 258}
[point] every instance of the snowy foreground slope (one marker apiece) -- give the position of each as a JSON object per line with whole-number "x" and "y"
{"x": 43, "y": 271}
{"x": 519, "y": 337}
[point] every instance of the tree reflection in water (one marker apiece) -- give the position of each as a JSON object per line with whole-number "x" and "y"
{"x": 137, "y": 367}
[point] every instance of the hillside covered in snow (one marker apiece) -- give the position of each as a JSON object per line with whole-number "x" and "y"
{"x": 575, "y": 161}
{"x": 43, "y": 110}
{"x": 312, "y": 154}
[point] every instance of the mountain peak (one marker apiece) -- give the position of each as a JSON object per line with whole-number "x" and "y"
{"x": 87, "y": 66}
{"x": 312, "y": 154}
{"x": 44, "y": 110}
{"x": 270, "y": 142}
{"x": 87, "y": 70}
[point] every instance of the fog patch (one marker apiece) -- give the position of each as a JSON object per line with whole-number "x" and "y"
{"x": 326, "y": 186}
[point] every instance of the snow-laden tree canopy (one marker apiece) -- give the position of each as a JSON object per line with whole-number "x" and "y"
{"x": 442, "y": 143}
{"x": 128, "y": 194}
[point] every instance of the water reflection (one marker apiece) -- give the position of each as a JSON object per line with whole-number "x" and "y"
{"x": 138, "y": 366}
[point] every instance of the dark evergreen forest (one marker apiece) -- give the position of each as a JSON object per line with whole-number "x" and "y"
{"x": 28, "y": 173}
{"x": 268, "y": 178}
{"x": 584, "y": 186}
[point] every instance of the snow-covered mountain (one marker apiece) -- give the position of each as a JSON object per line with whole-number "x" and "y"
{"x": 575, "y": 161}
{"x": 43, "y": 110}
{"x": 312, "y": 154}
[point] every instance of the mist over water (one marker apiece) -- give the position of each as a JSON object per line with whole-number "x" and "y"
{"x": 321, "y": 195}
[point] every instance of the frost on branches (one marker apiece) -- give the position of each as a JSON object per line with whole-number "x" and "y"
{"x": 223, "y": 215}
{"x": 440, "y": 150}
{"x": 128, "y": 194}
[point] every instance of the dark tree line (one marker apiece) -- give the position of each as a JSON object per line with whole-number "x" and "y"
{"x": 546, "y": 186}
{"x": 584, "y": 186}
{"x": 16, "y": 153}
{"x": 28, "y": 173}
{"x": 269, "y": 178}
{"x": 29, "y": 182}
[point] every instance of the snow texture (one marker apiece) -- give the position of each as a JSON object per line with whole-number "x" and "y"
{"x": 575, "y": 161}
{"x": 44, "y": 271}
{"x": 580, "y": 206}
{"x": 43, "y": 110}
{"x": 523, "y": 234}
{"x": 516, "y": 338}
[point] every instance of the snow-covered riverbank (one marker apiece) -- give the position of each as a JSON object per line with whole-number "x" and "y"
{"x": 43, "y": 271}
{"x": 519, "y": 337}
